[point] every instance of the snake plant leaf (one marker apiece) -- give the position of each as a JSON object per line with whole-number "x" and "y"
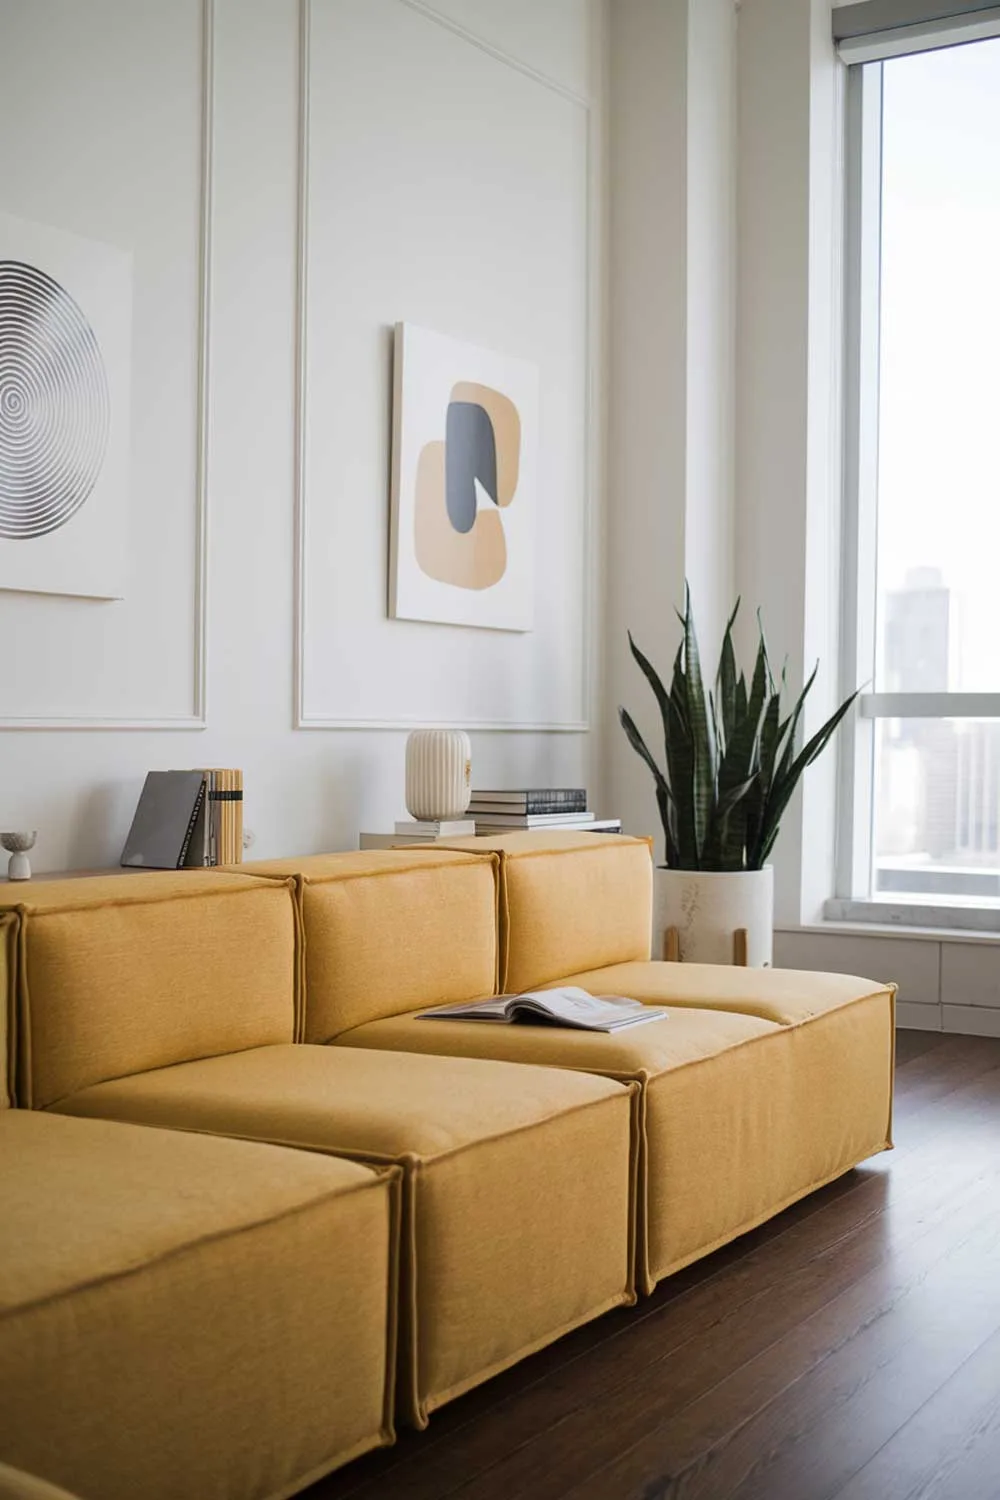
{"x": 732, "y": 761}
{"x": 678, "y": 687}
{"x": 650, "y": 673}
{"x": 726, "y": 680}
{"x": 788, "y": 751}
{"x": 728, "y": 836}
{"x": 702, "y": 745}
{"x": 772, "y": 730}
{"x": 641, "y": 749}
{"x": 741, "y": 697}
{"x": 681, "y": 776}
{"x": 784, "y": 786}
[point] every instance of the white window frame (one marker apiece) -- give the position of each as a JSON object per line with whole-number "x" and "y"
{"x": 853, "y": 900}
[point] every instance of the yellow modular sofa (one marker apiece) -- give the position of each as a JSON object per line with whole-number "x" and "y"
{"x": 154, "y": 1338}
{"x": 760, "y": 1087}
{"x": 175, "y": 1000}
{"x": 195, "y": 1309}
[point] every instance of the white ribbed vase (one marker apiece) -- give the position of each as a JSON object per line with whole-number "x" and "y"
{"x": 438, "y": 773}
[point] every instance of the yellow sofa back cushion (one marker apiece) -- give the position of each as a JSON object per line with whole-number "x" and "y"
{"x": 120, "y": 974}
{"x": 387, "y": 931}
{"x": 567, "y": 898}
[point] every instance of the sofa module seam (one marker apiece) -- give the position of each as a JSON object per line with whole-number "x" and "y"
{"x": 461, "y": 859}
{"x": 427, "y": 1159}
{"x": 778, "y": 1028}
{"x": 412, "y": 1160}
{"x": 383, "y": 1439}
{"x": 255, "y": 884}
{"x": 452, "y": 1392}
{"x": 53, "y": 1106}
{"x": 9, "y": 928}
{"x": 177, "y": 1252}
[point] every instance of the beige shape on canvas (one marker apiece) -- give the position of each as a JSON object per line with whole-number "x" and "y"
{"x": 506, "y": 433}
{"x": 475, "y": 559}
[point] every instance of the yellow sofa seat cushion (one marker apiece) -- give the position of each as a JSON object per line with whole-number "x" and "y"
{"x": 740, "y": 1115}
{"x": 569, "y": 901}
{"x": 389, "y": 930}
{"x": 641, "y": 1052}
{"x": 785, "y": 996}
{"x": 155, "y": 1336}
{"x": 119, "y": 974}
{"x": 487, "y": 1277}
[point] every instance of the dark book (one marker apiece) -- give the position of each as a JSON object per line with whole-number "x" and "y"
{"x": 164, "y": 820}
{"x": 538, "y": 800}
{"x": 492, "y": 826}
{"x": 533, "y": 820}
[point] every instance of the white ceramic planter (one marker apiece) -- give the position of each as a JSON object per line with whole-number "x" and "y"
{"x": 438, "y": 773}
{"x": 708, "y": 907}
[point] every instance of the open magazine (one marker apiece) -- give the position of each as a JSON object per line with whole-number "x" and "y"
{"x": 567, "y": 1006}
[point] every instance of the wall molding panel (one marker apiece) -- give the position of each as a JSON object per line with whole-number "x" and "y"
{"x": 432, "y": 13}
{"x": 196, "y": 719}
{"x": 314, "y": 708}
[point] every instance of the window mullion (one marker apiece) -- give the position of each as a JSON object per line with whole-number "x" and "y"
{"x": 863, "y": 158}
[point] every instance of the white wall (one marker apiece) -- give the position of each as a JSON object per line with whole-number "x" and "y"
{"x": 100, "y": 113}
{"x": 787, "y": 466}
{"x": 672, "y": 172}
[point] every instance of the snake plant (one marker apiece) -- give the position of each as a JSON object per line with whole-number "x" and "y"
{"x": 732, "y": 761}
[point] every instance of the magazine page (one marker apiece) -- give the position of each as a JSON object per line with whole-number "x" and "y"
{"x": 470, "y": 1010}
{"x": 571, "y": 1006}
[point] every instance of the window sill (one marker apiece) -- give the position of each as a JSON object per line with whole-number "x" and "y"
{"x": 937, "y": 920}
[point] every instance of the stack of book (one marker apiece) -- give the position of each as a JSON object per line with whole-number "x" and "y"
{"x": 537, "y": 807}
{"x": 187, "y": 819}
{"x": 420, "y": 831}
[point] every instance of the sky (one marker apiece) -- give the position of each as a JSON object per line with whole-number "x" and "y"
{"x": 939, "y": 420}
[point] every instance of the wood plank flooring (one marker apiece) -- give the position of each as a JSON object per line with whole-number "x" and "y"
{"x": 847, "y": 1350}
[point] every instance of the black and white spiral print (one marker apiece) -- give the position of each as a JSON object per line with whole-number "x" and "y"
{"x": 55, "y": 411}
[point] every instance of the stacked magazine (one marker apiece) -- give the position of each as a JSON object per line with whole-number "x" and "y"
{"x": 566, "y": 1006}
{"x": 537, "y": 807}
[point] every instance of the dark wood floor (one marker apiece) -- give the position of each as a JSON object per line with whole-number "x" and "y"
{"x": 849, "y": 1349}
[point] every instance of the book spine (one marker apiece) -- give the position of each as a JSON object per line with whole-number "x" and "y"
{"x": 238, "y": 819}
{"x": 536, "y": 806}
{"x": 556, "y": 801}
{"x": 205, "y": 849}
{"x": 198, "y": 802}
{"x": 214, "y": 829}
{"x": 226, "y": 819}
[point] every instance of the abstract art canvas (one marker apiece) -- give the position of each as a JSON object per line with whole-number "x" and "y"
{"x": 464, "y": 473}
{"x": 65, "y": 342}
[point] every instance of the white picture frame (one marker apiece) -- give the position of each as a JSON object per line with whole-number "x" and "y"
{"x": 464, "y": 482}
{"x": 65, "y": 367}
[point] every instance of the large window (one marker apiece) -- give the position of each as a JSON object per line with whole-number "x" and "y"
{"x": 921, "y": 819}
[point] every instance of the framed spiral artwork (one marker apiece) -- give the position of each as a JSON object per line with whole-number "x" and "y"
{"x": 65, "y": 334}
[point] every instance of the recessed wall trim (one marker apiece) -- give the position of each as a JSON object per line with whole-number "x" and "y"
{"x": 197, "y": 718}
{"x": 593, "y": 400}
{"x": 546, "y": 80}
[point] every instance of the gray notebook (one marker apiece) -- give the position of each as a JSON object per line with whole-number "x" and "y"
{"x": 164, "y": 820}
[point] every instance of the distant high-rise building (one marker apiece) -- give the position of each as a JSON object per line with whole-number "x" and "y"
{"x": 917, "y": 634}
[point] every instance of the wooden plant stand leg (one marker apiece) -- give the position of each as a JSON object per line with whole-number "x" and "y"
{"x": 672, "y": 947}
